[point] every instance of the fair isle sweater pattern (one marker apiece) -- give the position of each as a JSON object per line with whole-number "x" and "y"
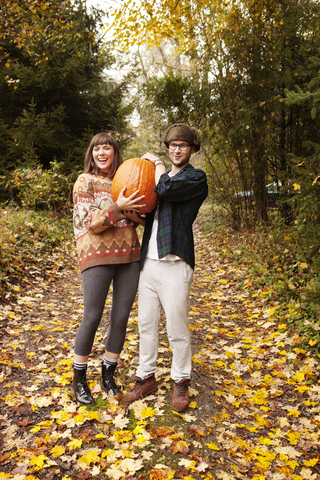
{"x": 102, "y": 236}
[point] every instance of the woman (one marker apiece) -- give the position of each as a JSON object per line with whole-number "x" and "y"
{"x": 108, "y": 249}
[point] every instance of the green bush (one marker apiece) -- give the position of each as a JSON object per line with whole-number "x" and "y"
{"x": 40, "y": 189}
{"x": 29, "y": 238}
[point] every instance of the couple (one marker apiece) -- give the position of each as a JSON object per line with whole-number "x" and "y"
{"x": 108, "y": 250}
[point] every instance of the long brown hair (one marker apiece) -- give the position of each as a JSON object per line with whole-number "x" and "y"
{"x": 102, "y": 139}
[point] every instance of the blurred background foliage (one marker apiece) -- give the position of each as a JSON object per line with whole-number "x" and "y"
{"x": 245, "y": 73}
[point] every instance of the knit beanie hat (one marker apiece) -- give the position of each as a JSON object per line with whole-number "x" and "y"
{"x": 181, "y": 131}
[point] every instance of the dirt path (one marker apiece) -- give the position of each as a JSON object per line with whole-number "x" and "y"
{"x": 254, "y": 409}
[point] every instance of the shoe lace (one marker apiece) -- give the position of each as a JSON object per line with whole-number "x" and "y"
{"x": 83, "y": 387}
{"x": 137, "y": 385}
{"x": 181, "y": 389}
{"x": 113, "y": 384}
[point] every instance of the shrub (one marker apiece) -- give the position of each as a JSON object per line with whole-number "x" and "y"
{"x": 29, "y": 238}
{"x": 40, "y": 189}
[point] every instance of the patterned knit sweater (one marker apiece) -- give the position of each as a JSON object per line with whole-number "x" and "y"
{"x": 102, "y": 237}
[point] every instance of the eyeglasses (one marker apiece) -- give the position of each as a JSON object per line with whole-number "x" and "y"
{"x": 183, "y": 147}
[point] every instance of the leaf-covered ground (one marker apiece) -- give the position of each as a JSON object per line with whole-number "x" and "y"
{"x": 255, "y": 395}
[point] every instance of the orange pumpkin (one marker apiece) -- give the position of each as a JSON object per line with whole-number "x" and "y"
{"x": 136, "y": 174}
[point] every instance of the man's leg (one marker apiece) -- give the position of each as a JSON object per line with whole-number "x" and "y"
{"x": 174, "y": 290}
{"x": 174, "y": 295}
{"x": 149, "y": 308}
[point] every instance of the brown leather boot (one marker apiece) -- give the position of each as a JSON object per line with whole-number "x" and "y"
{"x": 180, "y": 399}
{"x": 141, "y": 389}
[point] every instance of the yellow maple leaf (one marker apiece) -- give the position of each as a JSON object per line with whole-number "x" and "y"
{"x": 35, "y": 429}
{"x": 311, "y": 463}
{"x": 292, "y": 464}
{"x": 127, "y": 453}
{"x": 41, "y": 425}
{"x": 293, "y": 437}
{"x": 177, "y": 436}
{"x": 122, "y": 436}
{"x": 213, "y": 446}
{"x": 259, "y": 397}
{"x": 251, "y": 429}
{"x": 265, "y": 441}
{"x": 93, "y": 416}
{"x": 147, "y": 412}
{"x": 296, "y": 186}
{"x": 141, "y": 439}
{"x": 57, "y": 450}
{"x": 294, "y": 413}
{"x": 79, "y": 419}
{"x": 139, "y": 429}
{"x": 90, "y": 457}
{"x": 38, "y": 461}
{"x": 302, "y": 388}
{"x": 107, "y": 453}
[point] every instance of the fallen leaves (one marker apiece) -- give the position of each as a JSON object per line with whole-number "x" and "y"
{"x": 256, "y": 413}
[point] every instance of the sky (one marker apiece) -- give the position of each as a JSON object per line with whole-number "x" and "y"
{"x": 110, "y": 5}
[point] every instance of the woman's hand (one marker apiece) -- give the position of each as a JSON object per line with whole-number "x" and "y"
{"x": 131, "y": 203}
{"x": 134, "y": 217}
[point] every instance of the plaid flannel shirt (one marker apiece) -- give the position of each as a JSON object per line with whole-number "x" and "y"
{"x": 181, "y": 197}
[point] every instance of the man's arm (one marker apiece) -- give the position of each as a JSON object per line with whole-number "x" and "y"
{"x": 190, "y": 184}
{"x": 159, "y": 165}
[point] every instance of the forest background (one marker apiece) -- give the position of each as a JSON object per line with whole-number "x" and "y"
{"x": 245, "y": 73}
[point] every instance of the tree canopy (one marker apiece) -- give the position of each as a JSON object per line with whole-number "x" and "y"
{"x": 237, "y": 60}
{"x": 54, "y": 92}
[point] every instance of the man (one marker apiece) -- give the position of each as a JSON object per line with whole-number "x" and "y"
{"x": 167, "y": 262}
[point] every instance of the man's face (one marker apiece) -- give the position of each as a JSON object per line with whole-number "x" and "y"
{"x": 180, "y": 156}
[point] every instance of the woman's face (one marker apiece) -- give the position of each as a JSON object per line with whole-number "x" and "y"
{"x": 103, "y": 156}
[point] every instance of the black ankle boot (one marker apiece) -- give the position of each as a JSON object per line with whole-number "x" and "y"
{"x": 108, "y": 382}
{"x": 80, "y": 388}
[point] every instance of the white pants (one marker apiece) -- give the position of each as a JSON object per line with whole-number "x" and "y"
{"x": 165, "y": 283}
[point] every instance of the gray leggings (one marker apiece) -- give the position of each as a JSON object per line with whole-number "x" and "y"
{"x": 96, "y": 282}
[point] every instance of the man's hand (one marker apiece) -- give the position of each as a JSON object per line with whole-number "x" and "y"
{"x": 149, "y": 156}
{"x": 134, "y": 217}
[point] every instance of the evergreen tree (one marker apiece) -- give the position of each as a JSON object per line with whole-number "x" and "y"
{"x": 54, "y": 97}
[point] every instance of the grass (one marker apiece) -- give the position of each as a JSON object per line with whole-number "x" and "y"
{"x": 29, "y": 238}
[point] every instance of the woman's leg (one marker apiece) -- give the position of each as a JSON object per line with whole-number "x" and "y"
{"x": 125, "y": 285}
{"x": 96, "y": 282}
